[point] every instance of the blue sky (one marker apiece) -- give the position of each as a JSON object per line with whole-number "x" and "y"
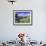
{"x": 23, "y": 13}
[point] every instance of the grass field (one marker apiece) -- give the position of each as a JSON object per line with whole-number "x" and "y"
{"x": 24, "y": 20}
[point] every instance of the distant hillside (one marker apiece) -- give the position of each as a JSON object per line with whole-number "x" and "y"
{"x": 25, "y": 19}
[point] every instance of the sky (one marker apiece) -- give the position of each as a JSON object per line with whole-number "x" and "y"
{"x": 23, "y": 13}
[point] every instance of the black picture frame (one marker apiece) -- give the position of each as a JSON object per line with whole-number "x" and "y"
{"x": 17, "y": 21}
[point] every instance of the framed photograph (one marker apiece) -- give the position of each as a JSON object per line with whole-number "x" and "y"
{"x": 22, "y": 17}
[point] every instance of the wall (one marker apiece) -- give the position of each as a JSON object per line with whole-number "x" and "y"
{"x": 37, "y": 31}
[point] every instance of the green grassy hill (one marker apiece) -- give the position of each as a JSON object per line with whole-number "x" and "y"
{"x": 25, "y": 20}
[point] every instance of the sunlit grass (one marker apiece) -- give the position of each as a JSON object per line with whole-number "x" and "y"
{"x": 24, "y": 20}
